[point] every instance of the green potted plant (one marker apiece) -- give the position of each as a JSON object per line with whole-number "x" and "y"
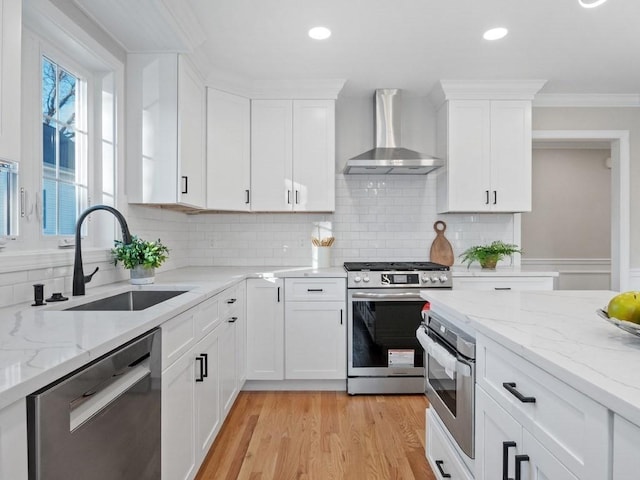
{"x": 142, "y": 257}
{"x": 488, "y": 255}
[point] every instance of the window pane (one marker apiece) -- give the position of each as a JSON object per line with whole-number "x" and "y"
{"x": 49, "y": 148}
{"x": 67, "y": 159}
{"x": 67, "y": 208}
{"x": 67, "y": 98}
{"x": 49, "y": 75}
{"x": 49, "y": 206}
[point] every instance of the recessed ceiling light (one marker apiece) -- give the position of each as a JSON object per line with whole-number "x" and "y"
{"x": 495, "y": 33}
{"x": 319, "y": 33}
{"x": 591, "y": 3}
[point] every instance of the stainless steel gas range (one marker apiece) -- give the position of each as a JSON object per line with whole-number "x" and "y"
{"x": 384, "y": 311}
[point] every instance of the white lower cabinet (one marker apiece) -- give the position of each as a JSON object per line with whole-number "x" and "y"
{"x": 504, "y": 449}
{"x": 200, "y": 385}
{"x": 315, "y": 329}
{"x": 265, "y": 329}
{"x": 563, "y": 432}
{"x": 441, "y": 454}
{"x": 13, "y": 441}
{"x": 626, "y": 438}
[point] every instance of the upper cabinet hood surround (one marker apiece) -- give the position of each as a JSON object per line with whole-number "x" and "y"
{"x": 388, "y": 157}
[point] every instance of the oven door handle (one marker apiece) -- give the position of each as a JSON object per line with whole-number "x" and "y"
{"x": 388, "y": 296}
{"x": 451, "y": 363}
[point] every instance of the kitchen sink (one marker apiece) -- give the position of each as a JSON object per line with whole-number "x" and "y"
{"x": 131, "y": 301}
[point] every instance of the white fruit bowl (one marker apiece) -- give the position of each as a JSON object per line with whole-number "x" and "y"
{"x": 629, "y": 327}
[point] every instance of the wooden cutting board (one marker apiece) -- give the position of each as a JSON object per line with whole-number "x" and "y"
{"x": 441, "y": 251}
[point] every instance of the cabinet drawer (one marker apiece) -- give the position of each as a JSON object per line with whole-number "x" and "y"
{"x": 208, "y": 316}
{"x": 503, "y": 283}
{"x": 568, "y": 423}
{"x": 230, "y": 302}
{"x": 441, "y": 455}
{"x": 315, "y": 289}
{"x": 178, "y": 334}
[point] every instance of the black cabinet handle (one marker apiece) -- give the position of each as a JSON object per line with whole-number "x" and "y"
{"x": 278, "y": 294}
{"x": 232, "y": 319}
{"x": 185, "y": 184}
{"x": 232, "y": 300}
{"x": 340, "y": 316}
{"x": 247, "y": 193}
{"x": 505, "y": 458}
{"x": 288, "y": 197}
{"x": 495, "y": 197}
{"x": 200, "y": 361}
{"x": 205, "y": 369}
{"x": 315, "y": 289}
{"x": 502, "y": 288}
{"x": 519, "y": 460}
{"x": 297, "y": 197}
{"x": 444, "y": 474}
{"x": 511, "y": 388}
{"x": 486, "y": 192}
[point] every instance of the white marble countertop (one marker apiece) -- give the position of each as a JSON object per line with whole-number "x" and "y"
{"x": 500, "y": 271}
{"x": 560, "y": 332}
{"x": 41, "y": 344}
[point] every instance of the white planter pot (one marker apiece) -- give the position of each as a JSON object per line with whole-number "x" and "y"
{"x": 142, "y": 276}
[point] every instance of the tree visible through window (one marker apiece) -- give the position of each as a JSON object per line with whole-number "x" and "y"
{"x": 64, "y": 149}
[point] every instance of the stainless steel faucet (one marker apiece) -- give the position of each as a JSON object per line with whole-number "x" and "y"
{"x": 79, "y": 278}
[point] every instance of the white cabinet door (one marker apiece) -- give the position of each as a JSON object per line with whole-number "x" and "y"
{"x": 510, "y": 156}
{"x": 315, "y": 340}
{"x": 228, "y": 151}
{"x": 13, "y": 441}
{"x": 271, "y": 155}
{"x": 228, "y": 364}
{"x": 541, "y": 464}
{"x": 314, "y": 155}
{"x": 178, "y": 416}
{"x": 626, "y": 438}
{"x": 265, "y": 329}
{"x": 488, "y": 148}
{"x": 441, "y": 454}
{"x": 208, "y": 411}
{"x": 241, "y": 334}
{"x": 165, "y": 131}
{"x": 191, "y": 135}
{"x": 10, "y": 78}
{"x": 469, "y": 155}
{"x": 498, "y": 437}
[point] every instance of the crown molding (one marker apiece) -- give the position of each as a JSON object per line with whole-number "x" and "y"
{"x": 485, "y": 90}
{"x": 276, "y": 89}
{"x": 587, "y": 100}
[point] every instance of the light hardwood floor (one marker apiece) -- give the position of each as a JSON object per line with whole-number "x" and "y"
{"x": 320, "y": 435}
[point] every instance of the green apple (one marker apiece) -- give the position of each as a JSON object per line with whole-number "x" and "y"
{"x": 625, "y": 306}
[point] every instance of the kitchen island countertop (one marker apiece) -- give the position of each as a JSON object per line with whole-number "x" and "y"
{"x": 558, "y": 331}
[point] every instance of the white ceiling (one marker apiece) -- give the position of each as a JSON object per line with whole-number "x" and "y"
{"x": 411, "y": 44}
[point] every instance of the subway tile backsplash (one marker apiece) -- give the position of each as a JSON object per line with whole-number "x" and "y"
{"x": 386, "y": 217}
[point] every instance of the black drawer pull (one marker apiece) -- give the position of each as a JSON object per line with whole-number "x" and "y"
{"x": 502, "y": 288}
{"x": 232, "y": 319}
{"x": 232, "y": 300}
{"x": 505, "y": 458}
{"x": 200, "y": 361}
{"x": 511, "y": 388}
{"x": 519, "y": 460}
{"x": 185, "y": 184}
{"x": 315, "y": 289}
{"x": 444, "y": 474}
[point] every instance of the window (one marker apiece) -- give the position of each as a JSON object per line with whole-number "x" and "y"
{"x": 64, "y": 149}
{"x": 8, "y": 203}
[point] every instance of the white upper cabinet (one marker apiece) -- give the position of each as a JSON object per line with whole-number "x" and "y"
{"x": 166, "y": 131}
{"x": 485, "y": 138}
{"x": 228, "y": 151}
{"x": 292, "y": 155}
{"x": 10, "y": 74}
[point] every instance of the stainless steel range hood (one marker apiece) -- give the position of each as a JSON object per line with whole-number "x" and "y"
{"x": 388, "y": 157}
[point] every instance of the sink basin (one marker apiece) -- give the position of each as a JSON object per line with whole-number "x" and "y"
{"x": 131, "y": 301}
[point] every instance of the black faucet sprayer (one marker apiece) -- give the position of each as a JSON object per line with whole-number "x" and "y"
{"x": 79, "y": 278}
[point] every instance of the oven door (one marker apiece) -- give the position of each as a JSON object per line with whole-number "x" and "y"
{"x": 381, "y": 326}
{"x": 450, "y": 382}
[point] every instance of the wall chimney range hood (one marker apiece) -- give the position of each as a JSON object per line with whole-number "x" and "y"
{"x": 388, "y": 157}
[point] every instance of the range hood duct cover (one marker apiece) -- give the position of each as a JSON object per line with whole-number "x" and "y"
{"x": 388, "y": 157}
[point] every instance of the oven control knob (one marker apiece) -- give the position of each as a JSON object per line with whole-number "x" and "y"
{"x": 434, "y": 279}
{"x": 443, "y": 278}
{"x": 365, "y": 279}
{"x": 357, "y": 279}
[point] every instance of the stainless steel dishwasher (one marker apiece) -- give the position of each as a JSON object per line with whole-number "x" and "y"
{"x": 101, "y": 422}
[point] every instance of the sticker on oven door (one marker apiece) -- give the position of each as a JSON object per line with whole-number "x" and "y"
{"x": 401, "y": 357}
